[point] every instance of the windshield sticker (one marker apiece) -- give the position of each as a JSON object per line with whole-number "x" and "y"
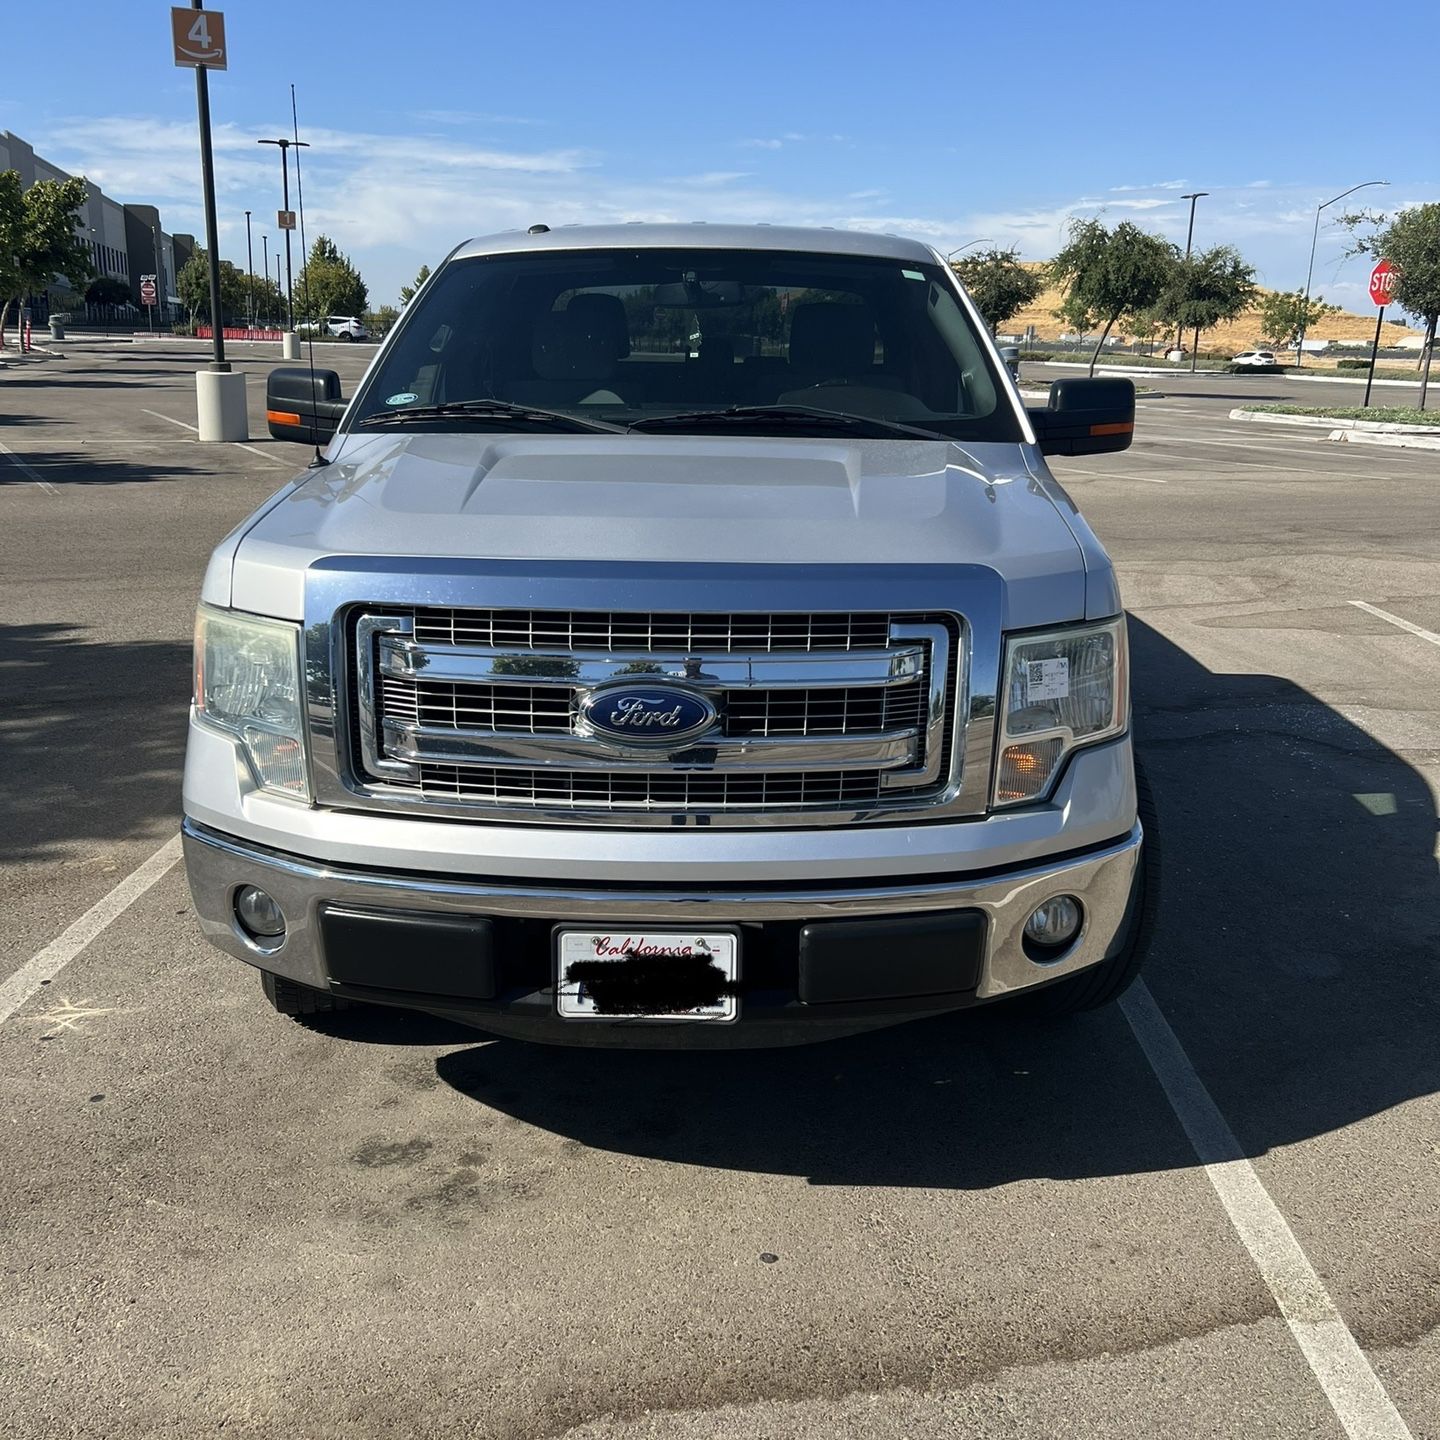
{"x": 912, "y": 274}
{"x": 1047, "y": 680}
{"x": 403, "y": 398}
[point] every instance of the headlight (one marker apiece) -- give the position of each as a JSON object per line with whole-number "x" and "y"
{"x": 247, "y": 683}
{"x": 1059, "y": 690}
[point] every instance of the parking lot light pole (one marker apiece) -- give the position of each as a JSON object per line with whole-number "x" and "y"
{"x": 1189, "y": 239}
{"x": 1310, "y": 272}
{"x": 285, "y": 145}
{"x": 265, "y": 258}
{"x": 250, "y": 273}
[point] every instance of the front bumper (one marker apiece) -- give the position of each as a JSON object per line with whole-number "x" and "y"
{"x": 515, "y": 995}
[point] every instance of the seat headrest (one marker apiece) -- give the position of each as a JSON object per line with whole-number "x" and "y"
{"x": 607, "y": 314}
{"x": 572, "y": 347}
{"x": 833, "y": 338}
{"x": 717, "y": 353}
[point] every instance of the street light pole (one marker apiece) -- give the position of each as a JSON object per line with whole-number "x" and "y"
{"x": 1189, "y": 238}
{"x": 250, "y": 271}
{"x": 1310, "y": 272}
{"x": 285, "y": 145}
{"x": 962, "y": 248}
{"x": 265, "y": 262}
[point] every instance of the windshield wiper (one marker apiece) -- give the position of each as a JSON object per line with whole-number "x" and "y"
{"x": 783, "y": 416}
{"x": 528, "y": 416}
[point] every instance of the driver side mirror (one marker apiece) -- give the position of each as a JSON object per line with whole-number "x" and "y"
{"x": 302, "y": 405}
{"x": 1086, "y": 417}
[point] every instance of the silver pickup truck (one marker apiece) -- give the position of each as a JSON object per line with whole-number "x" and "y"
{"x": 680, "y": 641}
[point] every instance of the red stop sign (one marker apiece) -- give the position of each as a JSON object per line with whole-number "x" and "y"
{"x": 1383, "y": 280}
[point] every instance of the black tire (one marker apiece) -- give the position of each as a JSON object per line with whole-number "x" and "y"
{"x": 346, "y": 336}
{"x": 296, "y": 1000}
{"x": 1106, "y": 982}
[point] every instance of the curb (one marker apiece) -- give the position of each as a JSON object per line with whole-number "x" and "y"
{"x": 1332, "y": 422}
{"x": 1407, "y": 440}
{"x": 1213, "y": 374}
{"x": 1139, "y": 396}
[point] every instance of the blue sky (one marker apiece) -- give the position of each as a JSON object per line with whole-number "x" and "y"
{"x": 951, "y": 122}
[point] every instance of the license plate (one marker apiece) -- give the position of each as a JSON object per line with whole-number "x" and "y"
{"x": 647, "y": 974}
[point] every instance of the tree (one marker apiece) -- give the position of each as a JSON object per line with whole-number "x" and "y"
{"x": 1106, "y": 274}
{"x": 407, "y": 292}
{"x": 107, "y": 291}
{"x": 1412, "y": 241}
{"x": 1207, "y": 288}
{"x": 381, "y": 321}
{"x": 38, "y": 240}
{"x": 1284, "y": 316}
{"x": 999, "y": 284}
{"x": 328, "y": 284}
{"x": 192, "y": 285}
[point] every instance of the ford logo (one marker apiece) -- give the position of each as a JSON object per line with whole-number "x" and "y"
{"x": 646, "y": 714}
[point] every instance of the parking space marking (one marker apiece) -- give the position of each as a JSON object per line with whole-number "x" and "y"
{"x": 1353, "y": 1389}
{"x": 1110, "y": 475}
{"x": 1424, "y": 634}
{"x": 26, "y": 471}
{"x": 49, "y": 962}
{"x": 238, "y": 444}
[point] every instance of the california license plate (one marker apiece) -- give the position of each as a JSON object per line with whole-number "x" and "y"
{"x": 647, "y": 974}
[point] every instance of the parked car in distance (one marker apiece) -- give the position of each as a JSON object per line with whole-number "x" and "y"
{"x": 337, "y": 327}
{"x": 1254, "y": 357}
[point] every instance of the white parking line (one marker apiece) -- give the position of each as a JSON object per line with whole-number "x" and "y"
{"x": 239, "y": 445}
{"x": 1429, "y": 635}
{"x": 26, "y": 471}
{"x": 1108, "y": 475}
{"x": 1353, "y": 1389}
{"x": 50, "y": 961}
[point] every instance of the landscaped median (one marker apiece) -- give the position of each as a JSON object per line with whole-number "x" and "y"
{"x": 1401, "y": 425}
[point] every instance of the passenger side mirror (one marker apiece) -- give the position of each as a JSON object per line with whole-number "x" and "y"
{"x": 1086, "y": 417}
{"x": 302, "y": 405}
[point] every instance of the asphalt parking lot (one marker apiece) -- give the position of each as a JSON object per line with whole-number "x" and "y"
{"x": 215, "y": 1221}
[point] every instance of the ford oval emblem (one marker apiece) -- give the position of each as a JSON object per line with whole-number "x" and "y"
{"x": 646, "y": 714}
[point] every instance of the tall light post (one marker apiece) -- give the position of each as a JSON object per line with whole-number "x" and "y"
{"x": 1310, "y": 273}
{"x": 250, "y": 271}
{"x": 265, "y": 263}
{"x": 285, "y": 145}
{"x": 1189, "y": 239}
{"x": 962, "y": 248}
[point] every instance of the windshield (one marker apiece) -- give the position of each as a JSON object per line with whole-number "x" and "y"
{"x": 793, "y": 342}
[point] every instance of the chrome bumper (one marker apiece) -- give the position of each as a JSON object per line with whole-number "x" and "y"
{"x": 219, "y": 865}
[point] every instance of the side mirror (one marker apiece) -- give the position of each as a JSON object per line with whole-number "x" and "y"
{"x": 1086, "y": 417}
{"x": 302, "y": 406}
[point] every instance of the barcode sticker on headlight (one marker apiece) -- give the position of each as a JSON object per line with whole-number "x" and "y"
{"x": 1047, "y": 680}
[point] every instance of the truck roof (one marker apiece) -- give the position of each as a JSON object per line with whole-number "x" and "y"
{"x": 644, "y": 236}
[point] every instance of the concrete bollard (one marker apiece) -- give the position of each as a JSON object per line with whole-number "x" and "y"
{"x": 289, "y": 345}
{"x": 221, "y": 402}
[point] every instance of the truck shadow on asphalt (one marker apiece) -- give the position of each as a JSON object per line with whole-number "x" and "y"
{"x": 91, "y": 737}
{"x": 1295, "y": 958}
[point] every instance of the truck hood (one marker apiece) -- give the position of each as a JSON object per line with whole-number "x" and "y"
{"x": 632, "y": 499}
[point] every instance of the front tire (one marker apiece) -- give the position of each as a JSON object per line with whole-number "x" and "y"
{"x": 289, "y": 997}
{"x": 1106, "y": 982}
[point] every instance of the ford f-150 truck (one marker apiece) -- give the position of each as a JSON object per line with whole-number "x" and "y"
{"x": 680, "y": 641}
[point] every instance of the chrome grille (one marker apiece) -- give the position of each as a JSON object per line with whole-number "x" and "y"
{"x": 478, "y": 710}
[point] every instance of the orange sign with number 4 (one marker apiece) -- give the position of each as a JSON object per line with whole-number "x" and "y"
{"x": 199, "y": 37}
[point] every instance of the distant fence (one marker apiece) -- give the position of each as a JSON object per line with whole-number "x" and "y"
{"x": 237, "y": 332}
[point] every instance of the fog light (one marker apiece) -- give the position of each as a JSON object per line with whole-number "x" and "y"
{"x": 260, "y": 916}
{"x": 1055, "y": 922}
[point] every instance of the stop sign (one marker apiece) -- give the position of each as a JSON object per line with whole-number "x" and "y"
{"x": 1383, "y": 280}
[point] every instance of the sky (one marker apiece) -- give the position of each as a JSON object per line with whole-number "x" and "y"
{"x": 435, "y": 120}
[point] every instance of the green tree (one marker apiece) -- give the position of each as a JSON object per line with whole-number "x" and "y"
{"x": 192, "y": 285}
{"x": 107, "y": 290}
{"x": 1109, "y": 273}
{"x": 999, "y": 284}
{"x": 328, "y": 284}
{"x": 38, "y": 240}
{"x": 1205, "y": 289}
{"x": 407, "y": 292}
{"x": 1284, "y": 316}
{"x": 1410, "y": 240}
{"x": 381, "y": 321}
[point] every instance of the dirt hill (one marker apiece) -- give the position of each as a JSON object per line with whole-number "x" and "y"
{"x": 1241, "y": 334}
